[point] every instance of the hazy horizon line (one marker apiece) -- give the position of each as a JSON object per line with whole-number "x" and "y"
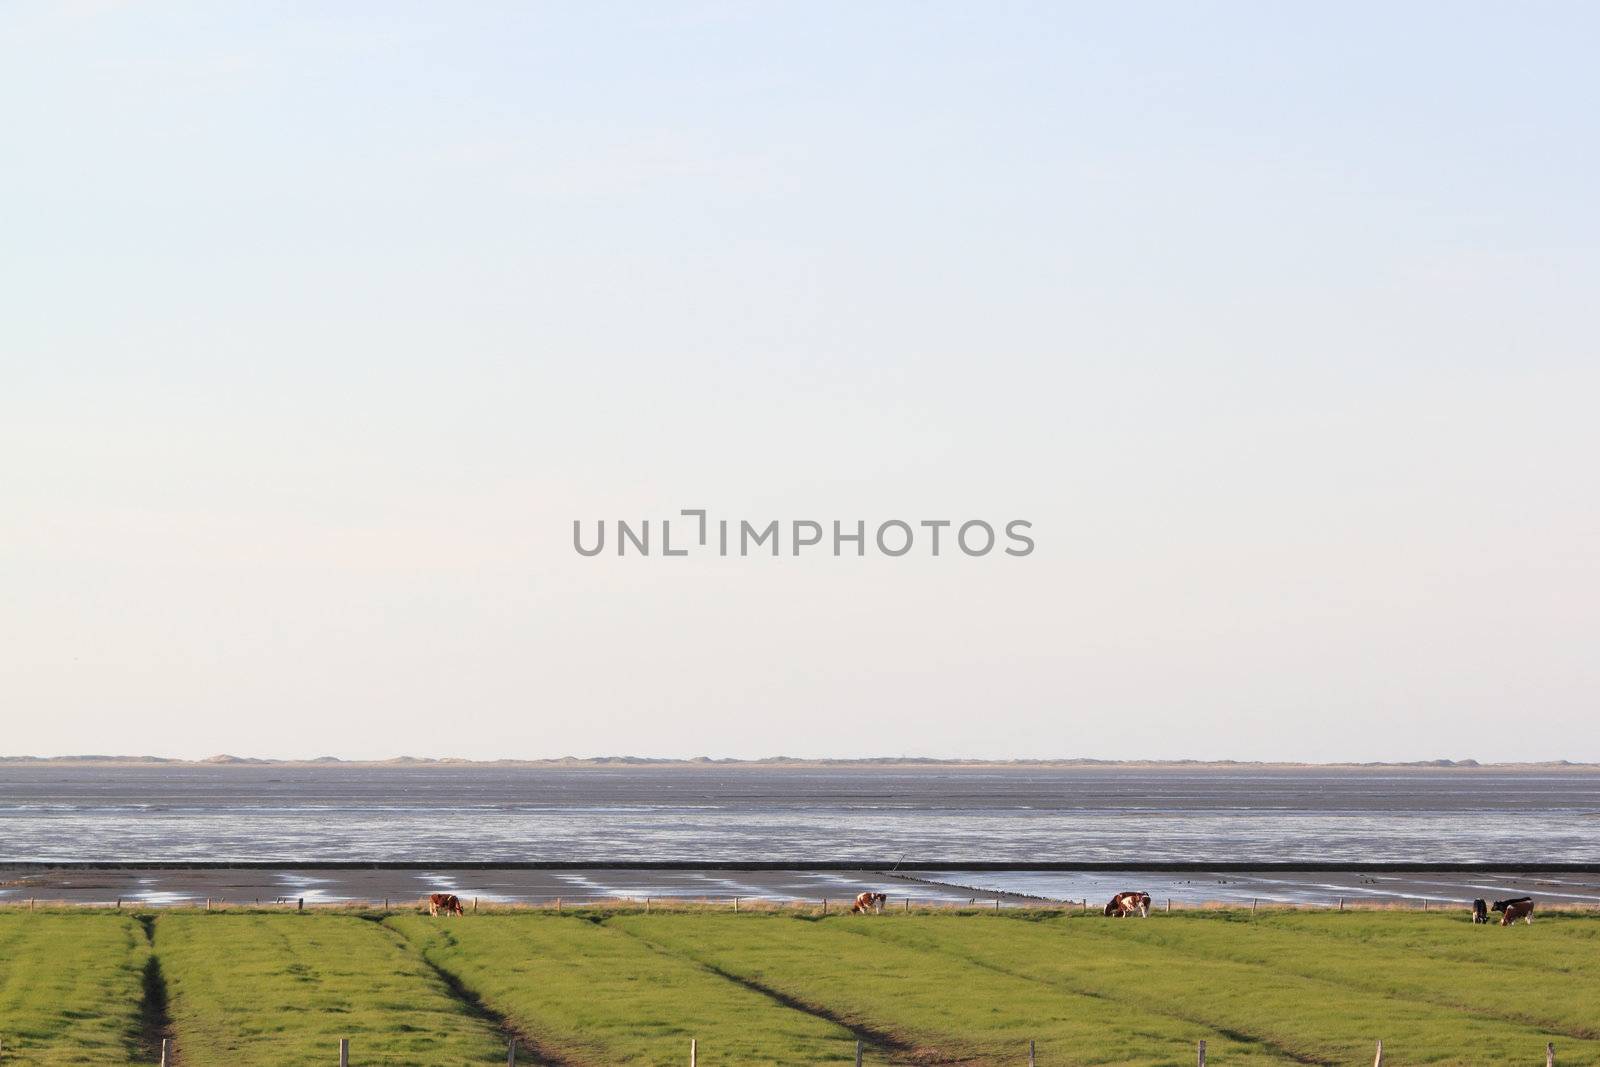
{"x": 227, "y": 760}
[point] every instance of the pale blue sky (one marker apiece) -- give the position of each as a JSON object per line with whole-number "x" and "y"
{"x": 320, "y": 323}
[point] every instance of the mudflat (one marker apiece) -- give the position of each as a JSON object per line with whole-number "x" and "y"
{"x": 149, "y": 886}
{"x": 916, "y": 815}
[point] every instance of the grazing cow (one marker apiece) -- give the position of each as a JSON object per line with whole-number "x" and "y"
{"x": 1514, "y": 909}
{"x": 872, "y": 902}
{"x": 1125, "y": 904}
{"x": 448, "y": 903}
{"x": 1480, "y": 911}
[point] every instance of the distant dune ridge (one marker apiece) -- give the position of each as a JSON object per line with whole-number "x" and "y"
{"x": 782, "y": 762}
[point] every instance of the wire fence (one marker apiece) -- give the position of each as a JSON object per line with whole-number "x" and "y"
{"x": 343, "y": 1053}
{"x": 816, "y": 905}
{"x": 738, "y": 904}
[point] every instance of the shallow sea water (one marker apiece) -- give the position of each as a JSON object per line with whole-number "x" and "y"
{"x": 917, "y": 816}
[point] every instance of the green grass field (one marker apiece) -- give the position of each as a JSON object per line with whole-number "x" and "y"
{"x": 599, "y": 995}
{"x": 613, "y": 986}
{"x": 282, "y": 989}
{"x": 71, "y": 987}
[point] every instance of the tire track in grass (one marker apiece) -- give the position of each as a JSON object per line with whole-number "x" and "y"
{"x": 475, "y": 1006}
{"x": 885, "y": 1042}
{"x": 934, "y": 1042}
{"x": 1243, "y": 1037}
{"x": 1418, "y": 1016}
{"x": 274, "y": 989}
{"x": 155, "y": 1023}
{"x": 611, "y": 998}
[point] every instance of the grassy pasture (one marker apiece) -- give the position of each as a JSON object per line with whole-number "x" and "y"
{"x": 276, "y": 989}
{"x": 924, "y": 1004}
{"x": 1452, "y": 965}
{"x": 596, "y": 995}
{"x": 71, "y": 987}
{"x": 593, "y": 987}
{"x": 1288, "y": 994}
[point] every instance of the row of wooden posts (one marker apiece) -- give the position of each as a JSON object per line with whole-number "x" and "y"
{"x": 1549, "y": 1054}
{"x": 300, "y": 904}
{"x": 694, "y": 1053}
{"x": 1084, "y": 904}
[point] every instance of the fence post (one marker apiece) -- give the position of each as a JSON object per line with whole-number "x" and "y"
{"x": 166, "y": 1050}
{"x": 736, "y": 905}
{"x": 647, "y": 905}
{"x": 694, "y": 1051}
{"x": 1169, "y": 904}
{"x": 858, "y": 1053}
{"x": 1550, "y": 1054}
{"x": 908, "y": 905}
{"x": 996, "y": 903}
{"x": 1252, "y": 905}
{"x": 1341, "y": 903}
{"x": 344, "y": 1052}
{"x": 824, "y": 905}
{"x": 1030, "y": 1054}
{"x": 474, "y": 905}
{"x": 511, "y": 1054}
{"x": 1202, "y": 1052}
{"x": 300, "y": 905}
{"x": 1378, "y": 1061}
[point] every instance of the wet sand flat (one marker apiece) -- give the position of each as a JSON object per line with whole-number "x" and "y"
{"x": 158, "y": 886}
{"x": 854, "y": 815}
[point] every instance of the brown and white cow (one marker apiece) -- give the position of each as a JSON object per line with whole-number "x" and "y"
{"x": 1514, "y": 909}
{"x": 1125, "y": 904}
{"x": 872, "y": 902}
{"x": 448, "y": 903}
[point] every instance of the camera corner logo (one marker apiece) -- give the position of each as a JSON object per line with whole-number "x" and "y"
{"x": 696, "y": 533}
